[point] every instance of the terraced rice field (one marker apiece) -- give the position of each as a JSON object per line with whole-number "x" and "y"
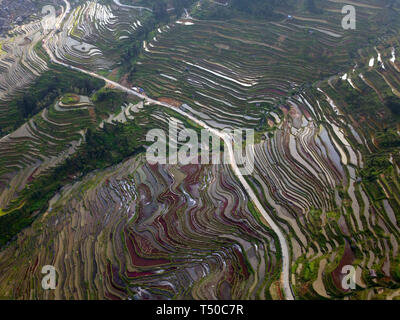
{"x": 150, "y": 232}
{"x": 309, "y": 174}
{"x": 326, "y": 169}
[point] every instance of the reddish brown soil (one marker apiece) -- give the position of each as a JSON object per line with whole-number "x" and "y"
{"x": 92, "y": 114}
{"x": 170, "y": 101}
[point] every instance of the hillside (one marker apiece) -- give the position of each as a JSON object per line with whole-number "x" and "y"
{"x": 77, "y": 192}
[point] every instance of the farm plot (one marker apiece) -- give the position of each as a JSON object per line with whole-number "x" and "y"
{"x": 130, "y": 228}
{"x": 330, "y": 176}
{"x": 94, "y": 33}
{"x": 20, "y": 65}
{"x": 227, "y": 72}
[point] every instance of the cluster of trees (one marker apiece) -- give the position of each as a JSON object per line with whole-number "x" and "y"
{"x": 365, "y": 103}
{"x": 388, "y": 139}
{"x": 180, "y": 6}
{"x": 160, "y": 10}
{"x": 259, "y": 8}
{"x": 103, "y": 148}
{"x": 263, "y": 8}
{"x": 50, "y": 85}
{"x": 161, "y": 15}
{"x": 108, "y": 100}
{"x": 311, "y": 7}
{"x": 374, "y": 166}
{"x": 133, "y": 48}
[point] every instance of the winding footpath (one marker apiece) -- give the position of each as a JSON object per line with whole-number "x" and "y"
{"x": 285, "y": 280}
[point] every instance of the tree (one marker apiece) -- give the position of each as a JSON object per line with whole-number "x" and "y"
{"x": 393, "y": 104}
{"x": 311, "y": 7}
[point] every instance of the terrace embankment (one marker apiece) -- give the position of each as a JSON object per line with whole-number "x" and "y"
{"x": 330, "y": 173}
{"x": 143, "y": 231}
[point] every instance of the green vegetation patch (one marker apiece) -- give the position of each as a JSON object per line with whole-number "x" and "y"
{"x": 102, "y": 148}
{"x": 70, "y": 98}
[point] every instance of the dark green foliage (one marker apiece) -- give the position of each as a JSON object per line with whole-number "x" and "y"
{"x": 375, "y": 165}
{"x": 256, "y": 8}
{"x": 259, "y": 8}
{"x": 131, "y": 52}
{"x": 49, "y": 86}
{"x": 312, "y": 7}
{"x": 160, "y": 10}
{"x": 160, "y": 16}
{"x": 180, "y": 5}
{"x": 364, "y": 103}
{"x": 53, "y": 83}
{"x": 388, "y": 139}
